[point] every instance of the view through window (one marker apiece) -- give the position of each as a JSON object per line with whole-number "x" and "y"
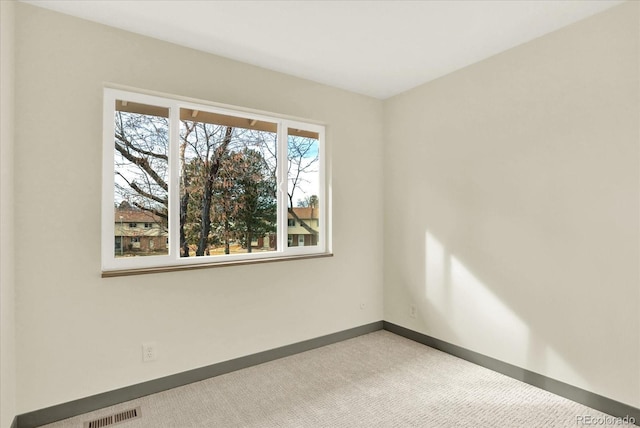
{"x": 188, "y": 182}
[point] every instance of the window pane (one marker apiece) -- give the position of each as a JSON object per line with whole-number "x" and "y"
{"x": 228, "y": 199}
{"x": 303, "y": 187}
{"x": 141, "y": 171}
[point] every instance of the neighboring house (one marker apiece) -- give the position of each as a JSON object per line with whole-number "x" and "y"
{"x": 297, "y": 235}
{"x": 139, "y": 231}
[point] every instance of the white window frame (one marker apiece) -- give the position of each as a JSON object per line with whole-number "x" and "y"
{"x": 110, "y": 263}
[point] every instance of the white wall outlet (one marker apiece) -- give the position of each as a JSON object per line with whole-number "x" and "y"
{"x": 413, "y": 311}
{"x": 149, "y": 352}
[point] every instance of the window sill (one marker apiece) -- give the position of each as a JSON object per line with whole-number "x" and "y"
{"x": 176, "y": 268}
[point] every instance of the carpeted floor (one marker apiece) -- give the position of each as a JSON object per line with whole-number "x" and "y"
{"x": 376, "y": 380}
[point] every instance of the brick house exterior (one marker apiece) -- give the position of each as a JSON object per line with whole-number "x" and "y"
{"x": 139, "y": 231}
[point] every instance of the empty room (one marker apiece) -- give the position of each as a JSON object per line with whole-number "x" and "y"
{"x": 319, "y": 213}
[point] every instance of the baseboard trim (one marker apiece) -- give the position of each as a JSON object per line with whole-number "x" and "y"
{"x": 77, "y": 407}
{"x": 99, "y": 401}
{"x": 589, "y": 399}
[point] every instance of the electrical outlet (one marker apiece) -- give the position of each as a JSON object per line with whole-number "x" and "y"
{"x": 413, "y": 311}
{"x": 149, "y": 352}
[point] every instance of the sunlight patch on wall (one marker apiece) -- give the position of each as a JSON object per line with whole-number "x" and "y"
{"x": 482, "y": 313}
{"x": 435, "y": 272}
{"x": 479, "y": 319}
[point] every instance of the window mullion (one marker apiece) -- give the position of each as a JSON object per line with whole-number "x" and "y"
{"x": 174, "y": 182}
{"x": 323, "y": 224}
{"x": 108, "y": 228}
{"x": 282, "y": 187}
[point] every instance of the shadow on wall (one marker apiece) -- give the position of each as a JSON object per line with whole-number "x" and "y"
{"x": 478, "y": 319}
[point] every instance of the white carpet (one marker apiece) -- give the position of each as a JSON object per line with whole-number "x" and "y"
{"x": 376, "y": 380}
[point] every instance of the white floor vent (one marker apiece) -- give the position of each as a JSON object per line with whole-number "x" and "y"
{"x": 106, "y": 421}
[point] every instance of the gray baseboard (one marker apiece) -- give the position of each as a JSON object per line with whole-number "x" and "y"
{"x": 590, "y": 399}
{"x": 99, "y": 401}
{"x": 110, "y": 398}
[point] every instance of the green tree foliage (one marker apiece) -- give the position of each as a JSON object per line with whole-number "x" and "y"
{"x": 228, "y": 188}
{"x": 243, "y": 203}
{"x": 202, "y": 148}
{"x": 227, "y": 178}
{"x": 256, "y": 188}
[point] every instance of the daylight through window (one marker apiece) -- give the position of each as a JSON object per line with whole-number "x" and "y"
{"x": 189, "y": 183}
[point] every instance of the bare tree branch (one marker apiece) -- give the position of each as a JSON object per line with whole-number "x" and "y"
{"x": 144, "y": 164}
{"x": 160, "y": 214}
{"x": 120, "y": 137}
{"x": 142, "y": 192}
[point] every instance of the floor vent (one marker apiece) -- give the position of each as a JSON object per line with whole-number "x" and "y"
{"x": 106, "y": 421}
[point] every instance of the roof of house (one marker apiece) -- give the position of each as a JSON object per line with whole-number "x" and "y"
{"x": 140, "y": 216}
{"x": 135, "y": 216}
{"x": 305, "y": 213}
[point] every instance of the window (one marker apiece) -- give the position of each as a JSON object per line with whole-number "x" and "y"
{"x": 205, "y": 179}
{"x": 134, "y": 244}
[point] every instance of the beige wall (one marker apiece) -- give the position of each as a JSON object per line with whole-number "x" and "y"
{"x": 512, "y": 206}
{"x": 7, "y": 287}
{"x": 79, "y": 334}
{"x": 511, "y": 199}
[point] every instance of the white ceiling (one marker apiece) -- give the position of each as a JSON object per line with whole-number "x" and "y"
{"x": 376, "y": 48}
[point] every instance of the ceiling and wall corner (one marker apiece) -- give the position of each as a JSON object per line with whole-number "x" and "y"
{"x": 375, "y": 48}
